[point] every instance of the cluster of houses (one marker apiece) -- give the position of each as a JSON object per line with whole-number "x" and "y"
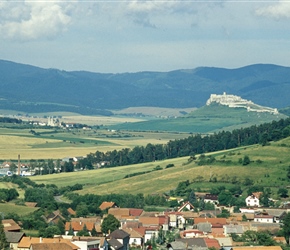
{"x": 195, "y": 230}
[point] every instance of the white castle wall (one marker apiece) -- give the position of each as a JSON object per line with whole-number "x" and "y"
{"x": 234, "y": 101}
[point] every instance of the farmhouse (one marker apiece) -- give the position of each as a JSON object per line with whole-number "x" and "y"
{"x": 253, "y": 200}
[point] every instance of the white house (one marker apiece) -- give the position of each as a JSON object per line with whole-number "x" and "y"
{"x": 253, "y": 200}
{"x": 136, "y": 238}
{"x": 186, "y": 206}
{"x": 264, "y": 218}
{"x": 149, "y": 232}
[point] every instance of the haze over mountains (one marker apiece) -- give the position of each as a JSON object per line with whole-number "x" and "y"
{"x": 32, "y": 89}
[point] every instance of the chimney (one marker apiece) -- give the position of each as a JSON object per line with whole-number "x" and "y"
{"x": 40, "y": 240}
{"x": 18, "y": 164}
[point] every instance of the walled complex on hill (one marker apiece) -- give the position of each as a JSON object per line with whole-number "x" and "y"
{"x": 234, "y": 101}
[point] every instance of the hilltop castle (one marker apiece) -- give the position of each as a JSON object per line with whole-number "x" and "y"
{"x": 234, "y": 101}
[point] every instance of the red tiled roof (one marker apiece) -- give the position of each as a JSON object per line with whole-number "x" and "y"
{"x": 140, "y": 230}
{"x": 212, "y": 243}
{"x": 53, "y": 246}
{"x": 71, "y": 211}
{"x": 106, "y": 204}
{"x": 119, "y": 212}
{"x": 135, "y": 211}
{"x": 27, "y": 241}
{"x": 163, "y": 220}
{"x": 149, "y": 221}
{"x": 78, "y": 226}
{"x": 221, "y": 221}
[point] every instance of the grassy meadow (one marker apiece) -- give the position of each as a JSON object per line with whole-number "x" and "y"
{"x": 204, "y": 120}
{"x": 7, "y": 208}
{"x": 268, "y": 168}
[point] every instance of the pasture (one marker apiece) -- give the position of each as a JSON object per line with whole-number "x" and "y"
{"x": 268, "y": 167}
{"x": 7, "y": 208}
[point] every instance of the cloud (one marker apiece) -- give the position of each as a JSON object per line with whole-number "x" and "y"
{"x": 277, "y": 11}
{"x": 29, "y": 20}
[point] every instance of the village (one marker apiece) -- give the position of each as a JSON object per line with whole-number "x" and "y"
{"x": 180, "y": 228}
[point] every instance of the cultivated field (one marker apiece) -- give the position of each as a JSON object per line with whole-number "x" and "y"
{"x": 59, "y": 143}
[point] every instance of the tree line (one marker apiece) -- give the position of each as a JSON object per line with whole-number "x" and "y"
{"x": 195, "y": 144}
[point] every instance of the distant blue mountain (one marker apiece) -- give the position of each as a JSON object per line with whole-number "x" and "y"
{"x": 32, "y": 89}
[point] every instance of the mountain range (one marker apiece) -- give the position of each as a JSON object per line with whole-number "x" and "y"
{"x": 31, "y": 89}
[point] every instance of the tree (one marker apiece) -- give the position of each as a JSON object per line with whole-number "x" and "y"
{"x": 225, "y": 198}
{"x": 3, "y": 241}
{"x": 246, "y": 160}
{"x": 283, "y": 192}
{"x": 61, "y": 226}
{"x": 191, "y": 197}
{"x": 13, "y": 168}
{"x": 82, "y": 210}
{"x": 49, "y": 232}
{"x": 83, "y": 232}
{"x": 70, "y": 231}
{"x": 94, "y": 232}
{"x": 286, "y": 226}
{"x": 110, "y": 224}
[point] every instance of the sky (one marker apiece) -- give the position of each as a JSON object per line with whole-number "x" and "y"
{"x": 118, "y": 36}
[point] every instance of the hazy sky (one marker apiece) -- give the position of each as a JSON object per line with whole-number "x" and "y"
{"x": 129, "y": 36}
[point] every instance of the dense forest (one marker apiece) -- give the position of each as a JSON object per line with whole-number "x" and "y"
{"x": 196, "y": 144}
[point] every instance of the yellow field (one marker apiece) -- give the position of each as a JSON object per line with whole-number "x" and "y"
{"x": 51, "y": 145}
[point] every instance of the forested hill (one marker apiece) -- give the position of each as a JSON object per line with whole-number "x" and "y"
{"x": 196, "y": 144}
{"x": 33, "y": 89}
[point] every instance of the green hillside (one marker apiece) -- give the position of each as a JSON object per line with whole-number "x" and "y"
{"x": 268, "y": 167}
{"x": 204, "y": 120}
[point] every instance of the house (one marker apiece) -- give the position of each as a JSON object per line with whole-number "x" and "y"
{"x": 105, "y": 205}
{"x": 186, "y": 206}
{"x": 54, "y": 217}
{"x": 53, "y": 246}
{"x": 278, "y": 214}
{"x": 213, "y": 221}
{"x": 26, "y": 242}
{"x": 175, "y": 219}
{"x": 257, "y": 248}
{"x": 264, "y": 218}
{"x": 136, "y": 237}
{"x": 253, "y": 199}
{"x": 190, "y": 244}
{"x": 119, "y": 239}
{"x": 13, "y": 238}
{"x": 76, "y": 226}
{"x": 248, "y": 210}
{"x": 150, "y": 232}
{"x": 233, "y": 229}
{"x": 71, "y": 212}
{"x": 212, "y": 243}
{"x": 204, "y": 227}
{"x": 226, "y": 243}
{"x": 136, "y": 212}
{"x": 87, "y": 242}
{"x": 149, "y": 221}
{"x": 119, "y": 213}
{"x": 212, "y": 198}
{"x": 191, "y": 233}
{"x": 11, "y": 226}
